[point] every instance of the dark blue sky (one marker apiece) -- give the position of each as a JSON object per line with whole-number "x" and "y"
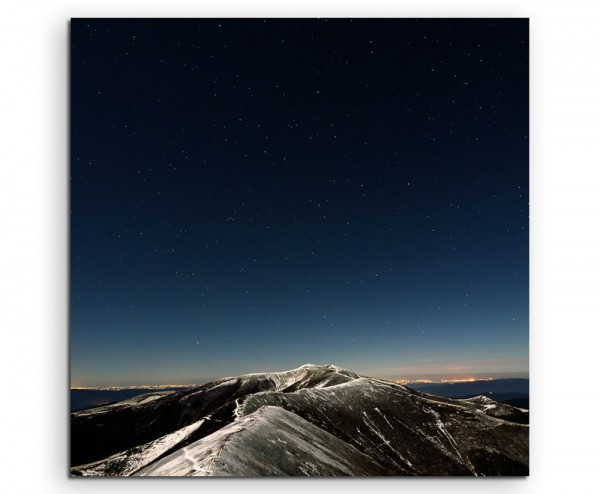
{"x": 256, "y": 194}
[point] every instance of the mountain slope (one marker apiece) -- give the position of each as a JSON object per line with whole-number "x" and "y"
{"x": 269, "y": 441}
{"x": 408, "y": 432}
{"x": 101, "y": 432}
{"x": 314, "y": 420}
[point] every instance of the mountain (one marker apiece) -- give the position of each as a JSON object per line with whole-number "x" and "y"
{"x": 314, "y": 420}
{"x": 82, "y": 399}
{"x": 497, "y": 389}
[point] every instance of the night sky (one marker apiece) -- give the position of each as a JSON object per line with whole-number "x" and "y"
{"x": 252, "y": 195}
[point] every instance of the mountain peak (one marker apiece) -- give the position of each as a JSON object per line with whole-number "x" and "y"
{"x": 320, "y": 366}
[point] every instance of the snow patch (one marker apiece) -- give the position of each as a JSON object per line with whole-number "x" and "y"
{"x": 130, "y": 461}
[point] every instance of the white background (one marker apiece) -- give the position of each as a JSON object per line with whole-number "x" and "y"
{"x": 565, "y": 247}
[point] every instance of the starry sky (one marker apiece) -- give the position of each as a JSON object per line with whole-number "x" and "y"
{"x": 255, "y": 194}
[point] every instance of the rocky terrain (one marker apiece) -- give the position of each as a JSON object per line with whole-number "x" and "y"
{"x": 317, "y": 420}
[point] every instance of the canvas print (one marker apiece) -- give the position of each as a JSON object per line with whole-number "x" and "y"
{"x": 299, "y": 247}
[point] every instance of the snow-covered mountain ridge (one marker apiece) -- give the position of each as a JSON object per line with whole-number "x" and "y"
{"x": 313, "y": 420}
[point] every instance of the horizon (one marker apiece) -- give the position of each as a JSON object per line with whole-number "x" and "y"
{"x": 398, "y": 378}
{"x": 201, "y": 383}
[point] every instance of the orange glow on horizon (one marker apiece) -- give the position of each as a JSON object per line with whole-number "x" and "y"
{"x": 445, "y": 381}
